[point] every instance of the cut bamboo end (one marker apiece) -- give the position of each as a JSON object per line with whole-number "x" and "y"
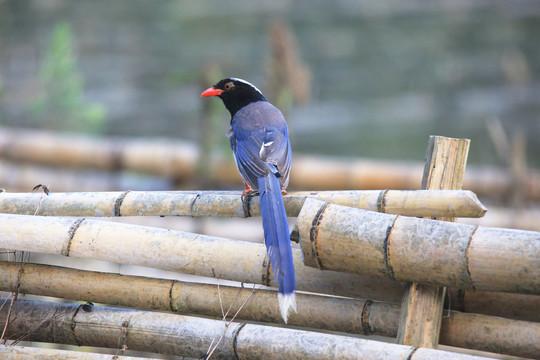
{"x": 229, "y": 203}
{"x": 426, "y": 251}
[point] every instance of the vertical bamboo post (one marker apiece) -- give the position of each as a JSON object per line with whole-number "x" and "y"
{"x": 422, "y": 305}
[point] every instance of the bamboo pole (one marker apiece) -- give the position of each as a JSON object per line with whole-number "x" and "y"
{"x": 350, "y": 315}
{"x": 229, "y": 203}
{"x": 187, "y": 336}
{"x": 422, "y": 305}
{"x": 160, "y": 294}
{"x": 353, "y": 316}
{"x": 426, "y": 251}
{"x": 175, "y": 251}
{"x": 34, "y": 353}
{"x": 178, "y": 160}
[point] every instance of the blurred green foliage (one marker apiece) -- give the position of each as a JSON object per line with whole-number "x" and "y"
{"x": 60, "y": 104}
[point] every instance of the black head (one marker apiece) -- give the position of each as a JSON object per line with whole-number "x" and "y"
{"x": 235, "y": 93}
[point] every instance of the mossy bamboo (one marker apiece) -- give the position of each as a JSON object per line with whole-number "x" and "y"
{"x": 354, "y": 316}
{"x": 188, "y": 336}
{"x": 229, "y": 203}
{"x": 425, "y": 251}
{"x": 175, "y": 251}
{"x": 41, "y": 353}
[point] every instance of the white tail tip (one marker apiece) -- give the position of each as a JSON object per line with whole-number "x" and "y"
{"x": 286, "y": 304}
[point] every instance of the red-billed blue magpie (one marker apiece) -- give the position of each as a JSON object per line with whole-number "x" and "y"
{"x": 259, "y": 138}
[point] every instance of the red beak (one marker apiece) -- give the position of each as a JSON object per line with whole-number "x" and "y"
{"x": 211, "y": 91}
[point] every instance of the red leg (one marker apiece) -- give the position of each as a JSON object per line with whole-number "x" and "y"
{"x": 247, "y": 190}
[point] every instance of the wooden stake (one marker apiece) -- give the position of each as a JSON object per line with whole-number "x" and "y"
{"x": 422, "y": 305}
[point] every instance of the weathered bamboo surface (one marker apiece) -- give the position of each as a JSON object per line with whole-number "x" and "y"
{"x": 175, "y": 251}
{"x": 350, "y": 315}
{"x": 187, "y": 336}
{"x": 425, "y": 251}
{"x": 88, "y": 285}
{"x": 353, "y": 316}
{"x": 422, "y": 304}
{"x": 33, "y": 353}
{"x": 229, "y": 203}
{"x": 178, "y": 160}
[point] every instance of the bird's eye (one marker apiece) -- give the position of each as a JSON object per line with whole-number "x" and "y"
{"x": 228, "y": 86}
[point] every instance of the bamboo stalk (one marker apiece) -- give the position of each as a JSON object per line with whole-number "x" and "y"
{"x": 422, "y": 305}
{"x": 229, "y": 203}
{"x": 178, "y": 160}
{"x": 34, "y": 353}
{"x": 175, "y": 251}
{"x": 426, "y": 251}
{"x": 353, "y": 316}
{"x": 187, "y": 336}
{"x": 185, "y": 297}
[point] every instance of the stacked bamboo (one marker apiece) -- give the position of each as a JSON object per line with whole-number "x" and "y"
{"x": 348, "y": 315}
{"x": 193, "y": 337}
{"x": 178, "y": 160}
{"x": 222, "y": 258}
{"x": 349, "y": 252}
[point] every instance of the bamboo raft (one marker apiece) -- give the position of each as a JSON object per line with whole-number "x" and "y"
{"x": 355, "y": 249}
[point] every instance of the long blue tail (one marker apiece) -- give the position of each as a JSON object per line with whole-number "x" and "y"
{"x": 278, "y": 242}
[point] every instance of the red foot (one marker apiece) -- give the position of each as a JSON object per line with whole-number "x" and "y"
{"x": 284, "y": 192}
{"x": 247, "y": 190}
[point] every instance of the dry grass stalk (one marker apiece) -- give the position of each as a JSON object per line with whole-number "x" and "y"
{"x": 186, "y": 336}
{"x": 426, "y": 251}
{"x": 229, "y": 203}
{"x": 175, "y": 251}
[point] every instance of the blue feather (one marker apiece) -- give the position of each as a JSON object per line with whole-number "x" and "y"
{"x": 277, "y": 240}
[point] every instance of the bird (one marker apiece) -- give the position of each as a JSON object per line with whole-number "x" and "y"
{"x": 259, "y": 139}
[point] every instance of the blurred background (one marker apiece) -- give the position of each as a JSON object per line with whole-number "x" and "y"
{"x": 355, "y": 78}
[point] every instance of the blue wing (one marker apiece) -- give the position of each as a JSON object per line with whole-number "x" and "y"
{"x": 260, "y": 142}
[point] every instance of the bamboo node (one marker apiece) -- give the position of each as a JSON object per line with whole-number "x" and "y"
{"x": 314, "y": 233}
{"x": 74, "y": 325}
{"x": 118, "y": 203}
{"x": 235, "y": 339}
{"x": 171, "y": 301}
{"x": 365, "y": 317}
{"x": 467, "y": 266}
{"x": 192, "y": 205}
{"x": 246, "y": 203}
{"x": 386, "y": 249}
{"x": 415, "y": 348}
{"x": 381, "y": 201}
{"x": 71, "y": 233}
